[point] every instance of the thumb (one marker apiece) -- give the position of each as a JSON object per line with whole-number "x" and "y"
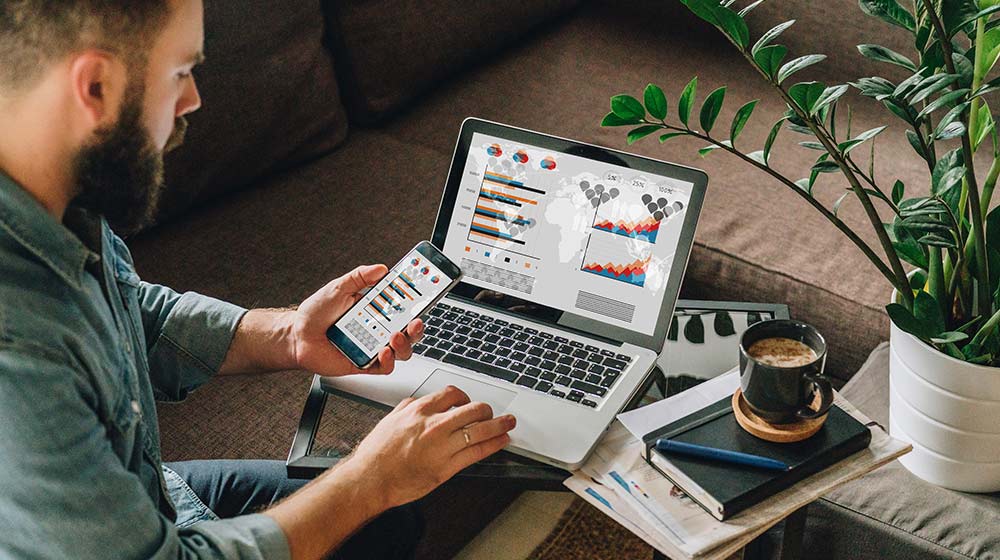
{"x": 359, "y": 279}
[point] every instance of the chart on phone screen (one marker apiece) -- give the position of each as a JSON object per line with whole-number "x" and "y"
{"x": 589, "y": 237}
{"x": 393, "y": 302}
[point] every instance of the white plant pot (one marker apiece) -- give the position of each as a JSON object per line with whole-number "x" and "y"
{"x": 949, "y": 410}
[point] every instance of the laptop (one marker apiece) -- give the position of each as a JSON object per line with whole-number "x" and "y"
{"x": 572, "y": 258}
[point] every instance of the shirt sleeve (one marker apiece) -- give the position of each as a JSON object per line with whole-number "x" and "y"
{"x": 187, "y": 337}
{"x": 66, "y": 494}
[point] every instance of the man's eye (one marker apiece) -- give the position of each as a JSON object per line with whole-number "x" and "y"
{"x": 184, "y": 75}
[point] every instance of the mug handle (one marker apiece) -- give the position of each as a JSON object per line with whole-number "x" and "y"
{"x": 821, "y": 384}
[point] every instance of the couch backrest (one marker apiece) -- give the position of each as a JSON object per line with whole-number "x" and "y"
{"x": 269, "y": 100}
{"x": 390, "y": 51}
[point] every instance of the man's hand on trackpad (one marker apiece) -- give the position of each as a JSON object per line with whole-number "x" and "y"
{"x": 313, "y": 352}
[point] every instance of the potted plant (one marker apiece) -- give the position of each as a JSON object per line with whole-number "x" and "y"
{"x": 945, "y": 313}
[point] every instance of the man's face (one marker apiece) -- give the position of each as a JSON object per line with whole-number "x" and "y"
{"x": 120, "y": 173}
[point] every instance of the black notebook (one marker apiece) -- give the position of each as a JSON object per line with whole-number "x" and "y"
{"x": 725, "y": 489}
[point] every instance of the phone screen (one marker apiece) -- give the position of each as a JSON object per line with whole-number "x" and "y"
{"x": 390, "y": 305}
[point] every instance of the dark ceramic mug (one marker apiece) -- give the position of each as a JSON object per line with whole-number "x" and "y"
{"x": 784, "y": 394}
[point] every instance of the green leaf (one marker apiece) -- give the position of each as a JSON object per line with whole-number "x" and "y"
{"x": 927, "y": 311}
{"x": 656, "y": 102}
{"x": 889, "y": 11}
{"x": 826, "y": 167}
{"x": 981, "y": 13}
{"x": 686, "y": 100}
{"x": 930, "y": 86}
{"x": 949, "y": 336}
{"x": 948, "y": 162}
{"x": 709, "y": 149}
{"x": 984, "y": 125}
{"x": 883, "y": 54}
{"x": 711, "y": 107}
{"x": 769, "y": 143}
{"x": 848, "y": 145}
{"x": 813, "y": 146}
{"x": 669, "y": 135}
{"x": 627, "y": 107}
{"x": 769, "y": 58}
{"x": 749, "y": 8}
{"x": 935, "y": 240}
{"x": 741, "y": 118}
{"x": 641, "y": 132}
{"x": 964, "y": 68}
{"x": 916, "y": 143}
{"x": 897, "y": 192}
{"x": 612, "y": 119}
{"x": 942, "y": 101}
{"x": 952, "y": 130}
{"x": 723, "y": 324}
{"x": 875, "y": 86}
{"x": 902, "y": 318}
{"x": 908, "y": 84}
{"x": 722, "y": 17}
{"x": 806, "y": 94}
{"x": 900, "y": 111}
{"x": 836, "y": 205}
{"x": 758, "y": 156}
{"x": 796, "y": 64}
{"x": 694, "y": 329}
{"x": 771, "y": 35}
{"x": 830, "y": 95}
{"x": 990, "y": 47}
{"x": 956, "y": 14}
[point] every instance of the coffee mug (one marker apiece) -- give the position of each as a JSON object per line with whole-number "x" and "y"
{"x": 782, "y": 391}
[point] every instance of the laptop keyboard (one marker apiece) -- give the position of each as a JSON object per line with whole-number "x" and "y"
{"x": 503, "y": 349}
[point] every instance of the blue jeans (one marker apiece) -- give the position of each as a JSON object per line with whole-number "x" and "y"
{"x": 235, "y": 487}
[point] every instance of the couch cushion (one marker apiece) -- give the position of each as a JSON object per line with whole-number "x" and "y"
{"x": 890, "y": 513}
{"x": 269, "y": 100}
{"x": 388, "y": 51}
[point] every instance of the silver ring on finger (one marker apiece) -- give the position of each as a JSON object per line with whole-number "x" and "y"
{"x": 465, "y": 433}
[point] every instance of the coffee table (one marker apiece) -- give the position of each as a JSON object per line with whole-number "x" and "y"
{"x": 702, "y": 343}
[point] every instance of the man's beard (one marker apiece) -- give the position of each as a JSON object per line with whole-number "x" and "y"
{"x": 120, "y": 175}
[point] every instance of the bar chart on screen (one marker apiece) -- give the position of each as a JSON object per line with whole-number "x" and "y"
{"x": 506, "y": 214}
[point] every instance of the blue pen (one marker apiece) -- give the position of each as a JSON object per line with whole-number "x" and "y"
{"x": 724, "y": 455}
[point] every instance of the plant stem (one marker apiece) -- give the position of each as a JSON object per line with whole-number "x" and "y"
{"x": 897, "y": 276}
{"x": 982, "y": 299}
{"x": 860, "y": 243}
{"x": 935, "y": 279}
{"x": 986, "y": 329}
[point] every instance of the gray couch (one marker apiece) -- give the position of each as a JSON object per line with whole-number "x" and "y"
{"x": 318, "y": 113}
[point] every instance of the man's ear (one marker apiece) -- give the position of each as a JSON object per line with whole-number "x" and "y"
{"x": 97, "y": 79}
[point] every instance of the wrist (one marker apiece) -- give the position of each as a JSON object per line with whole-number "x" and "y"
{"x": 283, "y": 327}
{"x": 370, "y": 490}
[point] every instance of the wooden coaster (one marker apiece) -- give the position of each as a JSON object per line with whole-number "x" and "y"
{"x": 778, "y": 433}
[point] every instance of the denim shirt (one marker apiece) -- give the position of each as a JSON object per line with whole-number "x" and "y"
{"x": 85, "y": 347}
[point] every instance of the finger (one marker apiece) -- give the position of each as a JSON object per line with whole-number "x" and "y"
{"x": 384, "y": 364}
{"x": 415, "y": 330}
{"x": 467, "y": 414}
{"x": 482, "y": 431}
{"x": 401, "y": 346}
{"x": 440, "y": 401}
{"x": 404, "y": 403}
{"x": 358, "y": 279}
{"x": 477, "y": 452}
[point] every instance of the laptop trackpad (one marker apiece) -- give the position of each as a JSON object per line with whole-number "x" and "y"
{"x": 496, "y": 397}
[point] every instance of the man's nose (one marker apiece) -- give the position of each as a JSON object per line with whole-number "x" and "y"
{"x": 190, "y": 101}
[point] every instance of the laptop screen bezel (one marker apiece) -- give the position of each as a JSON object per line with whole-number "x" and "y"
{"x": 560, "y": 317}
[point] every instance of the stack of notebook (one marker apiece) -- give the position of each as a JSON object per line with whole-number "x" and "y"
{"x": 724, "y": 488}
{"x": 700, "y": 509}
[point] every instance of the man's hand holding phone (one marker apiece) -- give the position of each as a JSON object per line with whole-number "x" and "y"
{"x": 313, "y": 351}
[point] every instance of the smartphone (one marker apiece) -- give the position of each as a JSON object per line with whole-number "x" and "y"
{"x": 411, "y": 287}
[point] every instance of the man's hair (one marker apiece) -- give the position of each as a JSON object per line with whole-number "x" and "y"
{"x": 34, "y": 34}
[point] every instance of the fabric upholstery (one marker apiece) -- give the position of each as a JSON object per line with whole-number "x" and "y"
{"x": 890, "y": 513}
{"x": 270, "y": 100}
{"x": 757, "y": 241}
{"x": 389, "y": 51}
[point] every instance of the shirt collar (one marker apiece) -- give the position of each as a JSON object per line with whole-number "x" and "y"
{"x": 28, "y": 223}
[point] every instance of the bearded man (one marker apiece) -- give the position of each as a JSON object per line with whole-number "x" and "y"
{"x": 92, "y": 92}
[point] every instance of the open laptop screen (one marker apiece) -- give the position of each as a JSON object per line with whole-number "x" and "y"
{"x": 597, "y": 239}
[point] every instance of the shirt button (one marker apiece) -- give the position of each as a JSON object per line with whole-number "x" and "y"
{"x": 135, "y": 407}
{"x": 128, "y": 348}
